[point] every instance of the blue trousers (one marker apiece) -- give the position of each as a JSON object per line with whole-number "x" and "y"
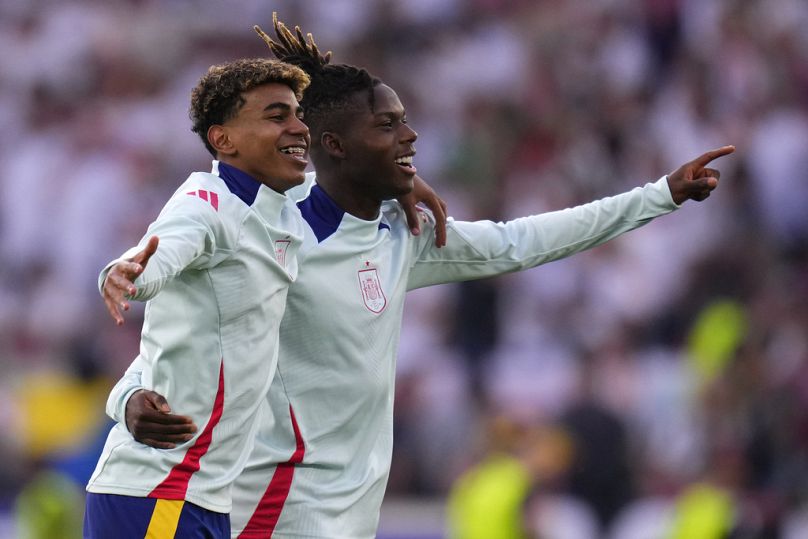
{"x": 112, "y": 516}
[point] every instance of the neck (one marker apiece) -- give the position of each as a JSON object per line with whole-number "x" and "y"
{"x": 273, "y": 184}
{"x": 357, "y": 204}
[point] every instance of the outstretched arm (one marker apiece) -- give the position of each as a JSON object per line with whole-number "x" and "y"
{"x": 120, "y": 280}
{"x": 483, "y": 249}
{"x": 424, "y": 194}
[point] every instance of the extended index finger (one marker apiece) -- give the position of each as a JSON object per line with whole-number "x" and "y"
{"x": 705, "y": 158}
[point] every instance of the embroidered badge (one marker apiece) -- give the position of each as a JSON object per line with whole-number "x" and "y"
{"x": 281, "y": 246}
{"x": 372, "y": 293}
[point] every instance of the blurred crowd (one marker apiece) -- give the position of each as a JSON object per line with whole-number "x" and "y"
{"x": 656, "y": 386}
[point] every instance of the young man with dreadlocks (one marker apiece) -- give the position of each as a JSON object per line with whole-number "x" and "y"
{"x": 322, "y": 455}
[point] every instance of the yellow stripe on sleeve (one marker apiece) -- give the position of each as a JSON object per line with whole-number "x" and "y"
{"x": 164, "y": 520}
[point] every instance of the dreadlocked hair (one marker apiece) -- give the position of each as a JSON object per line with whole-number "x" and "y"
{"x": 217, "y": 96}
{"x": 332, "y": 85}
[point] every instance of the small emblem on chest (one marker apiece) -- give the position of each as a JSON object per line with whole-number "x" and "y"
{"x": 281, "y": 246}
{"x": 371, "y": 287}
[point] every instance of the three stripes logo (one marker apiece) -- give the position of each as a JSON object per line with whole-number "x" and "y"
{"x": 208, "y": 196}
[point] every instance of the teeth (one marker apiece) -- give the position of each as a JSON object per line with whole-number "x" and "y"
{"x": 404, "y": 160}
{"x": 294, "y": 150}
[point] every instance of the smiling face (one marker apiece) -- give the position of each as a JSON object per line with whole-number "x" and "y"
{"x": 266, "y": 138}
{"x": 378, "y": 147}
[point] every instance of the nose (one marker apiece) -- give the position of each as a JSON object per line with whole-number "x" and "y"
{"x": 299, "y": 128}
{"x": 409, "y": 134}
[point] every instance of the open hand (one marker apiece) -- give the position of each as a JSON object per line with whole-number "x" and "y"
{"x": 120, "y": 280}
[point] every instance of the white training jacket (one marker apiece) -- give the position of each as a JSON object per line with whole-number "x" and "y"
{"x": 216, "y": 292}
{"x": 320, "y": 465}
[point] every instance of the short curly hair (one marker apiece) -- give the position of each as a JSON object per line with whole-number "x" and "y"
{"x": 218, "y": 95}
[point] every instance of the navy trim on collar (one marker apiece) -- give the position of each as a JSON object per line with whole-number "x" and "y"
{"x": 322, "y": 213}
{"x": 239, "y": 182}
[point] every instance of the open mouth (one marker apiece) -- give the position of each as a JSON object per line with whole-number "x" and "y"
{"x": 405, "y": 162}
{"x": 297, "y": 152}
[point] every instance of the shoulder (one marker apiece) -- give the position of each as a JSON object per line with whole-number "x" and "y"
{"x": 205, "y": 197}
{"x": 210, "y": 192}
{"x": 393, "y": 214}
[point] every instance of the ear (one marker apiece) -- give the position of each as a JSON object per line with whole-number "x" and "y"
{"x": 219, "y": 138}
{"x": 332, "y": 144}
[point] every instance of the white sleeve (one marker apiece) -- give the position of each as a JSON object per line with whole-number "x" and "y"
{"x": 480, "y": 249}
{"x": 123, "y": 390}
{"x": 192, "y": 236}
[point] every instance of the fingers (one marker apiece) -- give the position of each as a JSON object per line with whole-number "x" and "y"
{"x": 121, "y": 278}
{"x": 146, "y": 427}
{"x": 161, "y": 436}
{"x": 700, "y": 188}
{"x": 709, "y": 173}
{"x": 112, "y": 307}
{"x": 704, "y": 184}
{"x": 694, "y": 180}
{"x": 149, "y": 421}
{"x": 156, "y": 444}
{"x": 705, "y": 158}
{"x": 117, "y": 285}
{"x": 440, "y": 213}
{"x": 156, "y": 401}
{"x": 114, "y": 299}
{"x": 413, "y": 221}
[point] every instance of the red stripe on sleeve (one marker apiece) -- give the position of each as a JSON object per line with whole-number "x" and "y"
{"x": 175, "y": 484}
{"x": 263, "y": 521}
{"x": 214, "y": 200}
{"x": 203, "y": 194}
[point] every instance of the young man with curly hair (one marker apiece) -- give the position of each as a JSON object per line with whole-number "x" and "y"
{"x": 322, "y": 455}
{"x": 227, "y": 245}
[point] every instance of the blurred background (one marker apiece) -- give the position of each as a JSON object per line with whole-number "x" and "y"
{"x": 653, "y": 387}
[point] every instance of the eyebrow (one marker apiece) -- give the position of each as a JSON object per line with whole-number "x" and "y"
{"x": 282, "y": 106}
{"x": 392, "y": 114}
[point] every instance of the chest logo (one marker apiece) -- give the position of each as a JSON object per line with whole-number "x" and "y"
{"x": 281, "y": 246}
{"x": 372, "y": 293}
